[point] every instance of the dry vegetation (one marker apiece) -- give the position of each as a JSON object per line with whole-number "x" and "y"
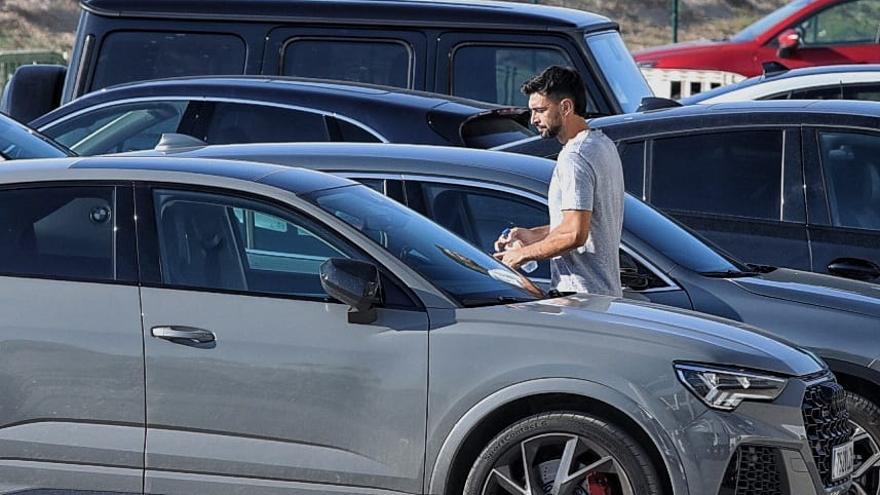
{"x": 49, "y": 24}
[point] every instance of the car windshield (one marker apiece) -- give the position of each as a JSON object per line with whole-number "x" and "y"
{"x": 676, "y": 242}
{"x": 763, "y": 24}
{"x": 468, "y": 275}
{"x": 18, "y": 142}
{"x": 620, "y": 70}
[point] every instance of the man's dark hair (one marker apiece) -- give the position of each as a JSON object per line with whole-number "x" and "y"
{"x": 558, "y": 83}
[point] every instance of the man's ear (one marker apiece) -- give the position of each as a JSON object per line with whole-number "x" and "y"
{"x": 567, "y": 106}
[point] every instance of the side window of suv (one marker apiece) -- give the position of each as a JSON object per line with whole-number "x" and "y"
{"x": 736, "y": 173}
{"x": 851, "y": 165}
{"x": 223, "y": 243}
{"x": 119, "y": 128}
{"x": 847, "y": 22}
{"x": 375, "y": 61}
{"x": 494, "y": 73}
{"x": 59, "y": 232}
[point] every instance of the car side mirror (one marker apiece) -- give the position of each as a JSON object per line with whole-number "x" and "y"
{"x": 32, "y": 91}
{"x": 788, "y": 41}
{"x": 632, "y": 279}
{"x": 355, "y": 283}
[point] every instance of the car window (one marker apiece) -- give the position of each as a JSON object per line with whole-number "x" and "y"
{"x": 632, "y": 156}
{"x": 374, "y": 61}
{"x": 231, "y": 123}
{"x": 59, "y": 232}
{"x": 763, "y": 24}
{"x": 351, "y": 133}
{"x": 848, "y": 22}
{"x": 494, "y": 73}
{"x": 619, "y": 69}
{"x": 829, "y": 93}
{"x": 735, "y": 173}
{"x": 216, "y": 242}
{"x": 851, "y": 164}
{"x": 139, "y": 55}
{"x": 646, "y": 278}
{"x": 480, "y": 215}
{"x": 868, "y": 92}
{"x": 118, "y": 128}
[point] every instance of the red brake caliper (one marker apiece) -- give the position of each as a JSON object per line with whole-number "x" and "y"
{"x": 597, "y": 484}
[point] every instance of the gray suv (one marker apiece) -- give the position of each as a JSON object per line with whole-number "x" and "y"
{"x": 185, "y": 326}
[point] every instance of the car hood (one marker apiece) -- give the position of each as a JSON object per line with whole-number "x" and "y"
{"x": 815, "y": 289}
{"x": 683, "y": 335}
{"x": 658, "y": 52}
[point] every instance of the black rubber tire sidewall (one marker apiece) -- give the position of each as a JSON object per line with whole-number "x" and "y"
{"x": 865, "y": 413}
{"x": 632, "y": 457}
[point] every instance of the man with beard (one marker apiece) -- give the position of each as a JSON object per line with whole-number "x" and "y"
{"x": 585, "y": 198}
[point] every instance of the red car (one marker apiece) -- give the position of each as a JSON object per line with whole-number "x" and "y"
{"x": 801, "y": 34}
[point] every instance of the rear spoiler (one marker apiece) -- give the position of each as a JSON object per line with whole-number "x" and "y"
{"x": 452, "y": 125}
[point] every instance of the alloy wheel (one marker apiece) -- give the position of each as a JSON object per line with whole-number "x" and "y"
{"x": 866, "y": 475}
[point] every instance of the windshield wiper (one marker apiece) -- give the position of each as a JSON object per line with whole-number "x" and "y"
{"x": 474, "y": 302}
{"x": 761, "y": 268}
{"x": 729, "y": 274}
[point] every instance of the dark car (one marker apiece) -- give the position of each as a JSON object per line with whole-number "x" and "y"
{"x": 803, "y": 33}
{"x": 220, "y": 110}
{"x": 480, "y": 50}
{"x": 784, "y": 183}
{"x": 477, "y": 193}
{"x": 18, "y": 141}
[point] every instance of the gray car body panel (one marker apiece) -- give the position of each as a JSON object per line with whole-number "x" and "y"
{"x": 575, "y": 339}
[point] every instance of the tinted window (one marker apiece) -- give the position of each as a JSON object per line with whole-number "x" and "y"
{"x": 869, "y": 92}
{"x": 480, "y": 216}
{"x": 672, "y": 240}
{"x": 60, "y": 232}
{"x": 632, "y": 155}
{"x": 242, "y": 123}
{"x": 353, "y": 133}
{"x": 214, "y": 242}
{"x": 119, "y": 128}
{"x": 732, "y": 173}
{"x": 467, "y": 274}
{"x": 364, "y": 60}
{"x": 495, "y": 73}
{"x": 851, "y": 163}
{"x": 136, "y": 56}
{"x": 619, "y": 69}
{"x": 831, "y": 93}
{"x": 850, "y": 22}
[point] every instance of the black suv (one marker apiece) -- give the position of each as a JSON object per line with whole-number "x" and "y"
{"x": 482, "y": 51}
{"x": 783, "y": 183}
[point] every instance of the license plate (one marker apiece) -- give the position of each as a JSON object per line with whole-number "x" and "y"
{"x": 842, "y": 461}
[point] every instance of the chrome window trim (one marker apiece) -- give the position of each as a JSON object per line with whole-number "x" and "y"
{"x": 146, "y": 99}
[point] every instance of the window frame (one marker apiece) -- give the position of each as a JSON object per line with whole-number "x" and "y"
{"x": 124, "y": 243}
{"x": 150, "y": 255}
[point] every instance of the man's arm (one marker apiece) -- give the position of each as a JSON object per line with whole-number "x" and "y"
{"x": 520, "y": 236}
{"x": 570, "y": 234}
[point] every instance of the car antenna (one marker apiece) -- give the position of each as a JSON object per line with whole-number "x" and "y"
{"x": 172, "y": 141}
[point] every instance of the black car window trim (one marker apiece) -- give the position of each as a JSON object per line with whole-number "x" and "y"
{"x": 210, "y": 99}
{"x": 531, "y": 196}
{"x": 148, "y": 243}
{"x": 410, "y": 61}
{"x": 123, "y": 203}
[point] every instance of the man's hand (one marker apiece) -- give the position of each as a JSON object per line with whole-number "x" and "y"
{"x": 512, "y": 258}
{"x": 516, "y": 238}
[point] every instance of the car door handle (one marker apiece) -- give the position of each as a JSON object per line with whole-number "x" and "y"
{"x": 854, "y": 268}
{"x": 185, "y": 335}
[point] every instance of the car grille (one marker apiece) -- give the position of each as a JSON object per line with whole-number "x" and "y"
{"x": 754, "y": 470}
{"x": 827, "y": 423}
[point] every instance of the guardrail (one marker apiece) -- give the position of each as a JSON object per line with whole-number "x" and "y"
{"x": 12, "y": 60}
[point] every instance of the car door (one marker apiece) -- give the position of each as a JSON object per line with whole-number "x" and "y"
{"x": 844, "y": 33}
{"x": 740, "y": 188}
{"x": 71, "y": 355}
{"x": 256, "y": 381}
{"x": 843, "y": 171}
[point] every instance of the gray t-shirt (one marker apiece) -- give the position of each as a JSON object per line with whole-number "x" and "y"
{"x": 589, "y": 176}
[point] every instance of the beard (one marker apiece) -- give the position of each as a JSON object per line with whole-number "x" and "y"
{"x": 550, "y": 131}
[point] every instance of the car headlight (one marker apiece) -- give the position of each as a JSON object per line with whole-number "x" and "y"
{"x": 725, "y": 389}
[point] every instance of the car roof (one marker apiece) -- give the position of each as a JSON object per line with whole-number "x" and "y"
{"x": 295, "y": 180}
{"x": 486, "y": 14}
{"x": 834, "y": 74}
{"x": 352, "y": 99}
{"x": 521, "y": 171}
{"x": 742, "y": 113}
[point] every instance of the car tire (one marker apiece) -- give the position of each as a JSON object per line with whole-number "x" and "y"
{"x": 865, "y": 416}
{"x": 602, "y": 457}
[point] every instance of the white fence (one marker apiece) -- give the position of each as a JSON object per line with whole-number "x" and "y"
{"x": 680, "y": 83}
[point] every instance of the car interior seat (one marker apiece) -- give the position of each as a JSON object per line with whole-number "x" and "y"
{"x": 199, "y": 247}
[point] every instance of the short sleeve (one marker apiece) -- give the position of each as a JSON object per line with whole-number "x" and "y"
{"x": 577, "y": 182}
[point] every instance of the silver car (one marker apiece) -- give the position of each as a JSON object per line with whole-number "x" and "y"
{"x": 175, "y": 326}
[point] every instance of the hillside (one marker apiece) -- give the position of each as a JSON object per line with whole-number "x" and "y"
{"x": 49, "y": 24}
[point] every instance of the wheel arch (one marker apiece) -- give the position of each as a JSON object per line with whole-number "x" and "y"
{"x": 859, "y": 379}
{"x": 494, "y": 413}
